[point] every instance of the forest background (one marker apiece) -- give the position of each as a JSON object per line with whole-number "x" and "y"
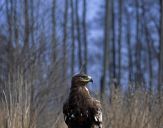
{"x": 43, "y": 43}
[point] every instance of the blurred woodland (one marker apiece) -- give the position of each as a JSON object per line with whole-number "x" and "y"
{"x": 44, "y": 42}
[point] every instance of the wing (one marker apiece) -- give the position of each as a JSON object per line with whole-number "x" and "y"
{"x": 77, "y": 116}
{"x": 97, "y": 114}
{"x": 98, "y": 118}
{"x": 71, "y": 114}
{"x": 65, "y": 110}
{"x": 82, "y": 111}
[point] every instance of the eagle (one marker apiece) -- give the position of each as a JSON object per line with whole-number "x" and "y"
{"x": 80, "y": 109}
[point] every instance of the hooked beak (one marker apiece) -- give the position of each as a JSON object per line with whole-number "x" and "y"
{"x": 90, "y": 79}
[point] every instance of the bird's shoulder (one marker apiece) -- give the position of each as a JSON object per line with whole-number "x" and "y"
{"x": 80, "y": 108}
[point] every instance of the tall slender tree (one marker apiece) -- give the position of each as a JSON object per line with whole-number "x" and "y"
{"x": 9, "y": 19}
{"x": 114, "y": 74}
{"x": 65, "y": 40}
{"x": 26, "y": 23}
{"x": 160, "y": 86}
{"x": 119, "y": 39}
{"x": 149, "y": 47}
{"x": 72, "y": 38}
{"x": 16, "y": 26}
{"x": 85, "y": 35}
{"x": 78, "y": 33}
{"x": 138, "y": 45}
{"x": 149, "y": 59}
{"x": 32, "y": 22}
{"x": 107, "y": 25}
{"x": 129, "y": 48}
{"x": 53, "y": 38}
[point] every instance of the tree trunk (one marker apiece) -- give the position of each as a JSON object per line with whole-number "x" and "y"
{"x": 138, "y": 72}
{"x": 130, "y": 59}
{"x": 16, "y": 26}
{"x": 78, "y": 34}
{"x": 113, "y": 43}
{"x": 53, "y": 38}
{"x": 9, "y": 19}
{"x": 149, "y": 51}
{"x": 150, "y": 64}
{"x": 160, "y": 86}
{"x": 107, "y": 28}
{"x": 72, "y": 38}
{"x": 119, "y": 40}
{"x": 26, "y": 23}
{"x": 65, "y": 40}
{"x": 32, "y": 22}
{"x": 85, "y": 36}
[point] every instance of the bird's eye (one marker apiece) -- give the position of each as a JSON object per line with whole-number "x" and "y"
{"x": 81, "y": 77}
{"x": 85, "y": 77}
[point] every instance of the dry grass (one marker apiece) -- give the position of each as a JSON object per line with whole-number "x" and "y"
{"x": 16, "y": 104}
{"x": 136, "y": 109}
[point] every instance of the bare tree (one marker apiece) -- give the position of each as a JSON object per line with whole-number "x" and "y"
{"x": 16, "y": 27}
{"x": 78, "y": 34}
{"x": 26, "y": 24}
{"x": 149, "y": 49}
{"x": 113, "y": 69}
{"x": 160, "y": 86}
{"x": 53, "y": 38}
{"x": 119, "y": 39}
{"x": 129, "y": 48}
{"x": 138, "y": 45}
{"x": 9, "y": 20}
{"x": 85, "y": 36}
{"x": 65, "y": 40}
{"x": 32, "y": 22}
{"x": 150, "y": 61}
{"x": 72, "y": 38}
{"x": 106, "y": 43}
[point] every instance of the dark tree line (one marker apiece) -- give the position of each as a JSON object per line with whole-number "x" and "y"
{"x": 43, "y": 43}
{"x": 132, "y": 39}
{"x": 134, "y": 43}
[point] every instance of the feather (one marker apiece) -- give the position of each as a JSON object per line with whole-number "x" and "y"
{"x": 80, "y": 109}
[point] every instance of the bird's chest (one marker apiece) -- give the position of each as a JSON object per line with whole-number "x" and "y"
{"x": 86, "y": 89}
{"x": 80, "y": 99}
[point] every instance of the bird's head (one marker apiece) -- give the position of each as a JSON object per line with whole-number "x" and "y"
{"x": 81, "y": 79}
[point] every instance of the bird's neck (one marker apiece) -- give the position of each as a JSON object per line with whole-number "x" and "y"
{"x": 83, "y": 87}
{"x": 76, "y": 85}
{"x": 80, "y": 89}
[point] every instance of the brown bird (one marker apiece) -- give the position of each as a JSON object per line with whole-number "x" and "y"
{"x": 81, "y": 110}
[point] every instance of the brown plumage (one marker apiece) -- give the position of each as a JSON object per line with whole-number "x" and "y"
{"x": 81, "y": 110}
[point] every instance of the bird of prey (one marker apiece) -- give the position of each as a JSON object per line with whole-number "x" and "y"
{"x": 80, "y": 109}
